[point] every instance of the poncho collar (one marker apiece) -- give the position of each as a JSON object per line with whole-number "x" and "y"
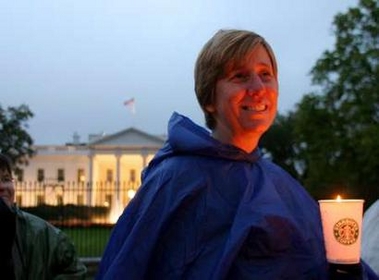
{"x": 186, "y": 137}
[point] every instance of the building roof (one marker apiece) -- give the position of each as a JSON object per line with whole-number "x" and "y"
{"x": 129, "y": 137}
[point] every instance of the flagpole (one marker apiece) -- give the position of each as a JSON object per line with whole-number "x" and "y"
{"x": 130, "y": 104}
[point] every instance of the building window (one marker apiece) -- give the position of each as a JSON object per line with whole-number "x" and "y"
{"x": 40, "y": 200}
{"x": 60, "y": 175}
{"x": 108, "y": 200}
{"x": 59, "y": 200}
{"x": 109, "y": 175}
{"x": 40, "y": 175}
{"x": 132, "y": 175}
{"x": 19, "y": 173}
{"x": 80, "y": 175}
{"x": 80, "y": 199}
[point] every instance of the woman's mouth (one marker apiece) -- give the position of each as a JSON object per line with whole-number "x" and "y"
{"x": 255, "y": 108}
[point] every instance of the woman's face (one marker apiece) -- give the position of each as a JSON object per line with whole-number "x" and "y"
{"x": 6, "y": 187}
{"x": 246, "y": 101}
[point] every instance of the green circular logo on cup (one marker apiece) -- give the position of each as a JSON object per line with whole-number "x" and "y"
{"x": 346, "y": 231}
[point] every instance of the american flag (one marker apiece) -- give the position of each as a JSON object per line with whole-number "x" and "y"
{"x": 130, "y": 103}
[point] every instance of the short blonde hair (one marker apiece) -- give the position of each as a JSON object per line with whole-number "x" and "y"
{"x": 225, "y": 50}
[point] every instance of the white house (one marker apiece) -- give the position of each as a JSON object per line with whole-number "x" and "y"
{"x": 104, "y": 171}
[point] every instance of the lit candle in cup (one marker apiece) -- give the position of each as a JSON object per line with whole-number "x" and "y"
{"x": 342, "y": 225}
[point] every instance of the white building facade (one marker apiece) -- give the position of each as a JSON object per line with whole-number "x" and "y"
{"x": 103, "y": 172}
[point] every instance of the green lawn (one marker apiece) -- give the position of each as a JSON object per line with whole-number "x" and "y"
{"x": 89, "y": 242}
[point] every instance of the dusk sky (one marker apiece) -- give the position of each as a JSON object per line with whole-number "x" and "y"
{"x": 74, "y": 63}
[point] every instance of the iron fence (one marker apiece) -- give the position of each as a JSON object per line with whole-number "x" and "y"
{"x": 85, "y": 211}
{"x": 71, "y": 203}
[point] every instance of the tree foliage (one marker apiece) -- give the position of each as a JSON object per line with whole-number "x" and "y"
{"x": 278, "y": 143}
{"x": 14, "y": 139}
{"x": 343, "y": 150}
{"x": 335, "y": 136}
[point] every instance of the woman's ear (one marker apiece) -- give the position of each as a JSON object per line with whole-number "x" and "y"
{"x": 210, "y": 108}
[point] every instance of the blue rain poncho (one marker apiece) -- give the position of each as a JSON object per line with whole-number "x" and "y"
{"x": 207, "y": 210}
{"x": 370, "y": 236}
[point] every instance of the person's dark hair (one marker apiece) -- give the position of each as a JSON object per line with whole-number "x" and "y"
{"x": 225, "y": 51}
{"x": 5, "y": 163}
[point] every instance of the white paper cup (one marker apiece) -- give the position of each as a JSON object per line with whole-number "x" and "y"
{"x": 342, "y": 228}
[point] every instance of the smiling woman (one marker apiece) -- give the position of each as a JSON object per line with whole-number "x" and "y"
{"x": 210, "y": 205}
{"x": 245, "y": 101}
{"x": 236, "y": 87}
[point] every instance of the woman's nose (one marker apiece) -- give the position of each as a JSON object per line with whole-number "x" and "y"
{"x": 255, "y": 85}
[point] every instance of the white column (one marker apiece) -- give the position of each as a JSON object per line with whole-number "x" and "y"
{"x": 118, "y": 175}
{"x": 90, "y": 182}
{"x": 144, "y": 158}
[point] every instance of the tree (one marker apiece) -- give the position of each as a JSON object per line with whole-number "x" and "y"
{"x": 278, "y": 143}
{"x": 14, "y": 139}
{"x": 337, "y": 129}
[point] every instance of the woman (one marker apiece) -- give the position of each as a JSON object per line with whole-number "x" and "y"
{"x": 210, "y": 206}
{"x": 31, "y": 248}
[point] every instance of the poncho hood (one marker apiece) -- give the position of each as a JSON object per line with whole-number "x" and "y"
{"x": 186, "y": 137}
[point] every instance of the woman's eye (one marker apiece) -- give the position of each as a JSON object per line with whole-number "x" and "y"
{"x": 266, "y": 74}
{"x": 240, "y": 76}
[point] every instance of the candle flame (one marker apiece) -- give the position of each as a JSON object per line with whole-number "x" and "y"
{"x": 339, "y": 198}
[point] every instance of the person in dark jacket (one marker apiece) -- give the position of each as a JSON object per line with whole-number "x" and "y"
{"x": 211, "y": 206}
{"x": 30, "y": 247}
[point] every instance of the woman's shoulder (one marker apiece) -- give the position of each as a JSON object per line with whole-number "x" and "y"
{"x": 179, "y": 165}
{"x": 274, "y": 169}
{"x": 283, "y": 180}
